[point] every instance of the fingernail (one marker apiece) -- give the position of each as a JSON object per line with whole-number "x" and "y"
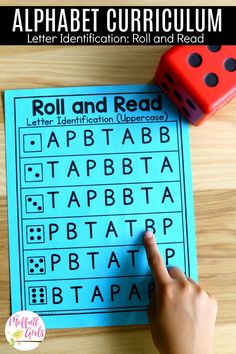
{"x": 148, "y": 234}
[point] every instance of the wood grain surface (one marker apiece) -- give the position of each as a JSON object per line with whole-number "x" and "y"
{"x": 213, "y": 151}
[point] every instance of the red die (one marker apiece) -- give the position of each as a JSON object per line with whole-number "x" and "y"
{"x": 199, "y": 79}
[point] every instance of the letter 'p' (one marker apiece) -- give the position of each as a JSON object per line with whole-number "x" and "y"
{"x": 170, "y": 252}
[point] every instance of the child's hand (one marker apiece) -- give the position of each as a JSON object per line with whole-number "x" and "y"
{"x": 182, "y": 315}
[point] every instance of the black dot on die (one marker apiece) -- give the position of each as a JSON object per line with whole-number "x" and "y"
{"x": 178, "y": 95}
{"x": 38, "y": 237}
{"x": 41, "y": 300}
{"x": 31, "y": 238}
{"x": 33, "y": 290}
{"x": 36, "y": 265}
{"x": 37, "y": 175}
{"x": 30, "y": 169}
{"x": 34, "y": 295}
{"x": 31, "y": 230}
{"x": 34, "y": 301}
{"x": 39, "y": 208}
{"x": 38, "y": 229}
{"x": 31, "y": 270}
{"x": 32, "y": 142}
{"x": 34, "y": 203}
{"x": 169, "y": 78}
{"x": 190, "y": 103}
{"x": 41, "y": 270}
{"x": 214, "y": 48}
{"x": 165, "y": 87}
{"x": 29, "y": 199}
{"x": 41, "y": 290}
{"x": 211, "y": 80}
{"x": 186, "y": 112}
{"x": 230, "y": 64}
{"x": 195, "y": 60}
{"x": 41, "y": 295}
{"x": 31, "y": 260}
{"x": 41, "y": 260}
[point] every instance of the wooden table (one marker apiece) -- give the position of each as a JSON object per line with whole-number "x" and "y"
{"x": 213, "y": 150}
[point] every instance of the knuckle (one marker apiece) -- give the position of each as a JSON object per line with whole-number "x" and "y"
{"x": 208, "y": 298}
{"x": 186, "y": 287}
{"x": 200, "y": 290}
{"x": 201, "y": 293}
{"x": 196, "y": 288}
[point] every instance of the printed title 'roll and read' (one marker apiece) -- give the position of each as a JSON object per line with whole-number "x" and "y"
{"x": 87, "y": 111}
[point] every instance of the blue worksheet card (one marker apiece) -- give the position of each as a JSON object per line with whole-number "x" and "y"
{"x": 89, "y": 169}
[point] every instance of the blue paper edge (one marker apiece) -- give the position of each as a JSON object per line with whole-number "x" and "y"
{"x": 80, "y": 90}
{"x": 11, "y": 199}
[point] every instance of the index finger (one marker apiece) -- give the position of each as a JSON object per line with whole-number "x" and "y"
{"x": 159, "y": 271}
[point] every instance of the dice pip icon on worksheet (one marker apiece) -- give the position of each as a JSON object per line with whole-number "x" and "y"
{"x": 33, "y": 172}
{"x": 36, "y": 265}
{"x": 32, "y": 142}
{"x": 35, "y": 234}
{"x": 37, "y": 295}
{"x": 34, "y": 203}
